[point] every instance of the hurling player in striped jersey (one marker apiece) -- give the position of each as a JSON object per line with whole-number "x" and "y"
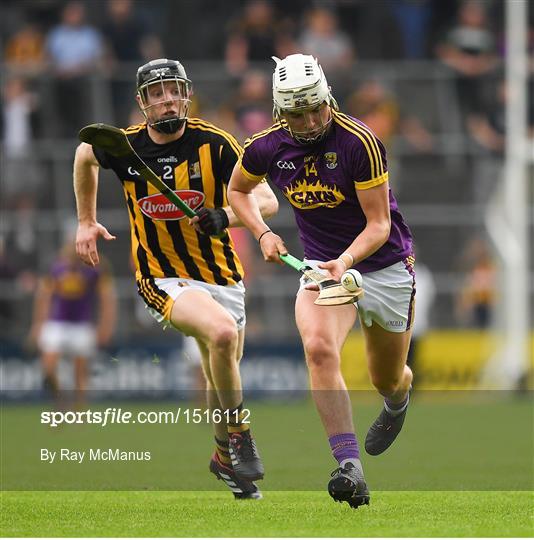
{"x": 333, "y": 171}
{"x": 187, "y": 271}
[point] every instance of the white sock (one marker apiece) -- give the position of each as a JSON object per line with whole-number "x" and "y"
{"x": 355, "y": 461}
{"x": 396, "y": 412}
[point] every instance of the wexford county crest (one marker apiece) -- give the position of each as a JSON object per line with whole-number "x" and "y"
{"x": 331, "y": 160}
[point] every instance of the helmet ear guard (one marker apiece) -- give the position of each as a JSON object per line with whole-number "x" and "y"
{"x": 159, "y": 71}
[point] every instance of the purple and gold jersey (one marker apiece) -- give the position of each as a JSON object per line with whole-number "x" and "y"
{"x": 74, "y": 291}
{"x": 321, "y": 183}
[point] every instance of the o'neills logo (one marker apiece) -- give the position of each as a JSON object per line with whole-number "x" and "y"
{"x": 159, "y": 207}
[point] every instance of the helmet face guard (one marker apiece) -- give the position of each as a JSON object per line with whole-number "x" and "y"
{"x": 305, "y": 124}
{"x": 162, "y": 83}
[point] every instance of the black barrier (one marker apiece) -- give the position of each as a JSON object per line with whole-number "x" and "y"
{"x": 152, "y": 371}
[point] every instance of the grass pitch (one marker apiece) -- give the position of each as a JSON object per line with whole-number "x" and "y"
{"x": 450, "y": 443}
{"x": 462, "y": 467}
{"x": 285, "y": 514}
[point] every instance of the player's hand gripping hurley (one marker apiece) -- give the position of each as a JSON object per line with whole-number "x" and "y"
{"x": 331, "y": 293}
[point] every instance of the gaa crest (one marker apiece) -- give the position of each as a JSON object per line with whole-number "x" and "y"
{"x": 331, "y": 160}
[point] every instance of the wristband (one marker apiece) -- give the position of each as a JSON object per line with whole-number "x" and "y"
{"x": 261, "y": 235}
{"x": 343, "y": 261}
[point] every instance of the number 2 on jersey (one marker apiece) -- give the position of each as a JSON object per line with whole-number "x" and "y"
{"x": 168, "y": 173}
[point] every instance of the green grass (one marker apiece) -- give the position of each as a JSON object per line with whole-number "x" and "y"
{"x": 462, "y": 467}
{"x": 450, "y": 443}
{"x": 289, "y": 514}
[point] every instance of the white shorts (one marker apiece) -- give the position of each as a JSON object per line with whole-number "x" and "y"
{"x": 389, "y": 296}
{"x": 231, "y": 297}
{"x": 76, "y": 339}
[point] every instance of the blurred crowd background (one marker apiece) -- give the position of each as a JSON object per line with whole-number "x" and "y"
{"x": 426, "y": 75}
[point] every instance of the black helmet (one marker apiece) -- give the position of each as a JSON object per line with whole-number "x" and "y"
{"x": 161, "y": 70}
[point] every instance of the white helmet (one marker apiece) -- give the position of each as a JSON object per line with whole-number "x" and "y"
{"x": 299, "y": 84}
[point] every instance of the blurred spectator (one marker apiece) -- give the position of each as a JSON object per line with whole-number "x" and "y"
{"x": 25, "y": 49}
{"x": 19, "y": 170}
{"x": 20, "y": 181}
{"x": 477, "y": 297}
{"x": 322, "y": 38}
{"x": 128, "y": 40}
{"x": 425, "y": 296}
{"x": 487, "y": 126}
{"x": 487, "y": 129}
{"x": 379, "y": 109}
{"x": 74, "y": 46}
{"x": 21, "y": 241}
{"x": 17, "y": 284}
{"x": 18, "y": 104}
{"x": 376, "y": 107}
{"x": 374, "y": 31}
{"x": 124, "y": 33}
{"x": 469, "y": 50}
{"x": 74, "y": 49}
{"x": 413, "y": 19}
{"x": 254, "y": 37}
{"x": 249, "y": 110}
{"x": 64, "y": 322}
{"x": 253, "y": 105}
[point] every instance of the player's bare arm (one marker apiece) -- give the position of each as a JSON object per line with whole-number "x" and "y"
{"x": 375, "y": 205}
{"x": 246, "y": 206}
{"x": 85, "y": 190}
{"x": 267, "y": 204}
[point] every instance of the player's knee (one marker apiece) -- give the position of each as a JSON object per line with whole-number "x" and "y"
{"x": 320, "y": 352}
{"x": 224, "y": 336}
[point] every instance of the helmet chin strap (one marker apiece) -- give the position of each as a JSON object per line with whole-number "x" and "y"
{"x": 168, "y": 126}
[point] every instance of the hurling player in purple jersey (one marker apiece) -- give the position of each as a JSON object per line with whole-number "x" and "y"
{"x": 74, "y": 313}
{"x": 333, "y": 171}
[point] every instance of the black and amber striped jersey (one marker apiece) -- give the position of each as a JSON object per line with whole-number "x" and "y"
{"x": 197, "y": 167}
